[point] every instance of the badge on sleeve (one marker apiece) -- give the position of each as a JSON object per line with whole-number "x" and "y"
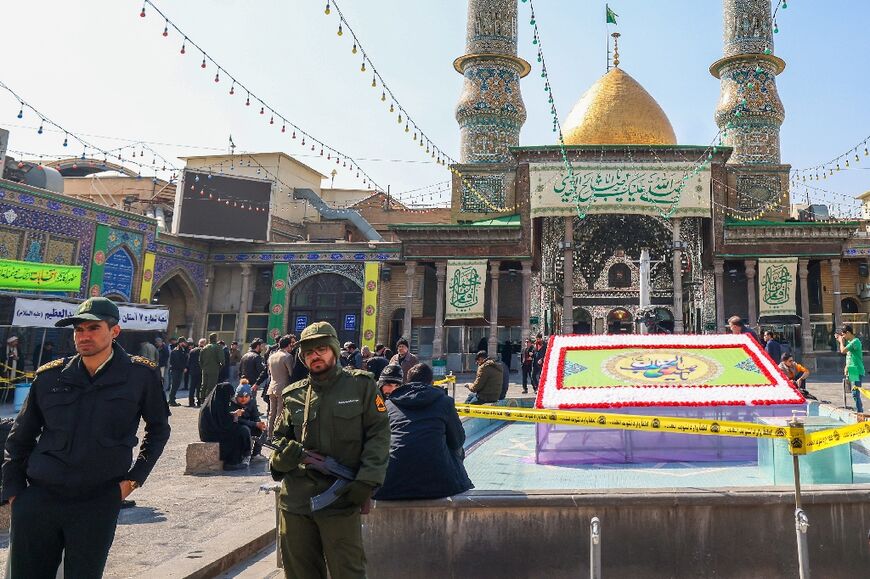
{"x": 379, "y": 403}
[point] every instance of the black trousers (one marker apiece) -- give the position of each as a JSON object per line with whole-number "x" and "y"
{"x": 527, "y": 375}
{"x": 46, "y": 525}
{"x": 175, "y": 377}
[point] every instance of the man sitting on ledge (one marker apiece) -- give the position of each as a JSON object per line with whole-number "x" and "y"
{"x": 487, "y": 384}
{"x": 426, "y": 441}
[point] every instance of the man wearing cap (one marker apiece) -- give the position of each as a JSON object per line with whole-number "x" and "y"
{"x": 337, "y": 413}
{"x": 211, "y": 360}
{"x": 392, "y": 376}
{"x": 68, "y": 456}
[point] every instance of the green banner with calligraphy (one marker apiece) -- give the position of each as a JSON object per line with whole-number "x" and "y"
{"x": 280, "y": 272}
{"x": 777, "y": 286}
{"x": 24, "y": 275}
{"x": 98, "y": 262}
{"x": 466, "y": 281}
{"x": 654, "y": 189}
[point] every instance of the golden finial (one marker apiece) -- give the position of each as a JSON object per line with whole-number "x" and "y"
{"x": 615, "y": 36}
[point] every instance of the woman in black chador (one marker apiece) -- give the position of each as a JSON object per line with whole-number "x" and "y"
{"x": 217, "y": 423}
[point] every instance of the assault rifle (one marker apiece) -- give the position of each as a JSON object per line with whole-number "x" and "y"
{"x": 325, "y": 465}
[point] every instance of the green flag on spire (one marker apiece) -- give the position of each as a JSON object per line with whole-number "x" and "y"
{"x": 611, "y": 15}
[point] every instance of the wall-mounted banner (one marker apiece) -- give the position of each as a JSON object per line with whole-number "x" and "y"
{"x": 466, "y": 281}
{"x": 44, "y": 313}
{"x": 370, "y": 304}
{"x": 777, "y": 286}
{"x": 640, "y": 189}
{"x": 24, "y": 275}
{"x": 147, "y": 277}
{"x": 280, "y": 273}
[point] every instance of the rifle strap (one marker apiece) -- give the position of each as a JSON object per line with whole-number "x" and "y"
{"x": 305, "y": 413}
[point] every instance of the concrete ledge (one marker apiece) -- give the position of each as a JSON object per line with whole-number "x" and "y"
{"x": 654, "y": 534}
{"x": 221, "y": 553}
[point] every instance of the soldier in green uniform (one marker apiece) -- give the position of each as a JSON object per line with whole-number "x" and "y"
{"x": 211, "y": 360}
{"x": 340, "y": 414}
{"x": 68, "y": 457}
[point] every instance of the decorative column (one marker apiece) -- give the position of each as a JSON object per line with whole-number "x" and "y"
{"x": 490, "y": 111}
{"x": 749, "y": 105}
{"x": 806, "y": 329}
{"x": 838, "y": 295}
{"x": 678, "y": 276}
{"x": 527, "y": 299}
{"x": 206, "y": 301}
{"x": 568, "y": 277}
{"x": 718, "y": 270}
{"x": 494, "y": 273}
{"x": 751, "y": 293}
{"x": 438, "y": 341}
{"x": 410, "y": 271}
{"x": 242, "y": 325}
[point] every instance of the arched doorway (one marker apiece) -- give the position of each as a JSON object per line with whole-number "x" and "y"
{"x": 176, "y": 294}
{"x": 850, "y": 306}
{"x": 619, "y": 321}
{"x": 397, "y": 327}
{"x": 328, "y": 297}
{"x": 582, "y": 321}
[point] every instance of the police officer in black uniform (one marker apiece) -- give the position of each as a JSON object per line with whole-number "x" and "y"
{"x": 68, "y": 456}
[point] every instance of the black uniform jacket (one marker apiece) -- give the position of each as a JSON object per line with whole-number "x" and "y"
{"x": 75, "y": 433}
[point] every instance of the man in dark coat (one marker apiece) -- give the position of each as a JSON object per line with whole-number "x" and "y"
{"x": 253, "y": 366}
{"x": 377, "y": 363}
{"x": 425, "y": 442}
{"x": 194, "y": 371}
{"x": 538, "y": 360}
{"x": 69, "y": 457}
{"x": 177, "y": 369}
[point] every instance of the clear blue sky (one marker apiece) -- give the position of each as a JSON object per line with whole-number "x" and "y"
{"x": 98, "y": 68}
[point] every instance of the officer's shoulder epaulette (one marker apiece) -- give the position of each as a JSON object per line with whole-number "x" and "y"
{"x": 143, "y": 361}
{"x": 50, "y": 365}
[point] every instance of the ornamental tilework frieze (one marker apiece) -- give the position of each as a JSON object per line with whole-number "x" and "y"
{"x": 44, "y": 201}
{"x": 38, "y": 223}
{"x": 132, "y": 240}
{"x": 10, "y": 242}
{"x": 165, "y": 267}
{"x": 300, "y": 271}
{"x": 303, "y": 257}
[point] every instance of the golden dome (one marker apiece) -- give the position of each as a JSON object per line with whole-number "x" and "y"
{"x": 617, "y": 110}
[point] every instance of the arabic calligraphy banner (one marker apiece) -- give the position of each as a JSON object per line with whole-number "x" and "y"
{"x": 641, "y": 189}
{"x": 466, "y": 281}
{"x": 44, "y": 313}
{"x": 25, "y": 275}
{"x": 777, "y": 286}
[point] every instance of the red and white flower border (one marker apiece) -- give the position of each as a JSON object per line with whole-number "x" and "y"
{"x": 551, "y": 394}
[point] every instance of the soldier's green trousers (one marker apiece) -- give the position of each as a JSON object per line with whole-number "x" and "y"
{"x": 209, "y": 381}
{"x": 307, "y": 539}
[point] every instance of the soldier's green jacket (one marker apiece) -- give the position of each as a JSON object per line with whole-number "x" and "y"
{"x": 347, "y": 420}
{"x": 211, "y": 359}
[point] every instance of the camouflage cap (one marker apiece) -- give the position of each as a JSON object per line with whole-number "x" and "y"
{"x": 93, "y": 310}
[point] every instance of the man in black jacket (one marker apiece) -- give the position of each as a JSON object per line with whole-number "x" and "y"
{"x": 194, "y": 372}
{"x": 425, "y": 442}
{"x": 177, "y": 369}
{"x": 68, "y": 456}
{"x": 253, "y": 367}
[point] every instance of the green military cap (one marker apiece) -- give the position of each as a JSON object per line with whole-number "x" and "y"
{"x": 93, "y": 310}
{"x": 316, "y": 334}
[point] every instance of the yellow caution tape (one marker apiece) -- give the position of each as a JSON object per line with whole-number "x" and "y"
{"x": 445, "y": 380}
{"x": 798, "y": 440}
{"x": 814, "y": 441}
{"x": 865, "y": 392}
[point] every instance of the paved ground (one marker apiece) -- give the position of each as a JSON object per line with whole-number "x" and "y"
{"x": 177, "y": 515}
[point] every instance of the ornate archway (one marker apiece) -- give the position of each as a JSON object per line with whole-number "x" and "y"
{"x": 620, "y": 321}
{"x": 329, "y": 297}
{"x": 176, "y": 293}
